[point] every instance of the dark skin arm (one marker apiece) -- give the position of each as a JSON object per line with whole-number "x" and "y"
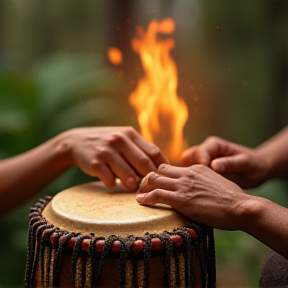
{"x": 104, "y": 152}
{"x": 245, "y": 166}
{"x": 205, "y": 196}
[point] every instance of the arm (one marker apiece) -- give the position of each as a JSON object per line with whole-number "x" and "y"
{"x": 206, "y": 197}
{"x": 104, "y": 152}
{"x": 275, "y": 150}
{"x": 245, "y": 166}
{"x": 24, "y": 175}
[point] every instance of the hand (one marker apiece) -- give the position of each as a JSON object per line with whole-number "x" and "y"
{"x": 110, "y": 152}
{"x": 198, "y": 193}
{"x": 244, "y": 166}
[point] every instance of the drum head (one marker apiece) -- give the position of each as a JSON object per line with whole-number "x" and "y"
{"x": 93, "y": 208}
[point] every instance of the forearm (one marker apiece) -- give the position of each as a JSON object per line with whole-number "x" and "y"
{"x": 275, "y": 153}
{"x": 267, "y": 222}
{"x": 24, "y": 175}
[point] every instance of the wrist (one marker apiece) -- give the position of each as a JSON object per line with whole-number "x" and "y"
{"x": 266, "y": 162}
{"x": 249, "y": 211}
{"x": 63, "y": 149}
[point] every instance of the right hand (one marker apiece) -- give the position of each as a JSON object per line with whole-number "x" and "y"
{"x": 245, "y": 166}
{"x": 111, "y": 152}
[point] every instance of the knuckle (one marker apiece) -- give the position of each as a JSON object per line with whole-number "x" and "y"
{"x": 162, "y": 166}
{"x": 104, "y": 153}
{"x": 201, "y": 167}
{"x": 116, "y": 139}
{"x": 157, "y": 193}
{"x": 152, "y": 177}
{"x": 144, "y": 161}
{"x": 155, "y": 152}
{"x": 246, "y": 157}
{"x": 130, "y": 131}
{"x": 212, "y": 139}
{"x": 95, "y": 165}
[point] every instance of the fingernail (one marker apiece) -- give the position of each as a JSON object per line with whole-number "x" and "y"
{"x": 140, "y": 197}
{"x": 142, "y": 183}
{"x": 132, "y": 183}
{"x": 218, "y": 166}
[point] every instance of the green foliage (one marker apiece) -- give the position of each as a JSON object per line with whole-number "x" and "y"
{"x": 60, "y": 92}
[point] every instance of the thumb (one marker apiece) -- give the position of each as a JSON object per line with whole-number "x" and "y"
{"x": 231, "y": 164}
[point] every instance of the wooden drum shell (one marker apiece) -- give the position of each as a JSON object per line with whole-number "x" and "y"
{"x": 70, "y": 234}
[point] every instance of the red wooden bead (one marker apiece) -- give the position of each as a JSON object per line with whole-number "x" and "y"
{"x": 138, "y": 246}
{"x": 177, "y": 240}
{"x": 99, "y": 245}
{"x": 156, "y": 244}
{"x": 71, "y": 242}
{"x": 44, "y": 233}
{"x": 116, "y": 247}
{"x": 85, "y": 244}
{"x": 61, "y": 239}
{"x": 53, "y": 238}
{"x": 192, "y": 233}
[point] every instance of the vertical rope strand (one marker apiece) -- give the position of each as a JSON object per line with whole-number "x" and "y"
{"x": 129, "y": 274}
{"x": 62, "y": 249}
{"x": 172, "y": 281}
{"x": 105, "y": 252}
{"x": 182, "y": 271}
{"x": 51, "y": 268}
{"x": 140, "y": 274}
{"x": 211, "y": 259}
{"x": 46, "y": 265}
{"x": 76, "y": 255}
{"x": 122, "y": 264}
{"x": 88, "y": 273}
{"x": 78, "y": 272}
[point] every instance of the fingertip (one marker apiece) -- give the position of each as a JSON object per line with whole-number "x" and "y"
{"x": 140, "y": 198}
{"x": 218, "y": 166}
{"x": 186, "y": 158}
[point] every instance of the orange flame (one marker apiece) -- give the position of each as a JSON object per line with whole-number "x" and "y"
{"x": 161, "y": 114}
{"x": 115, "y": 55}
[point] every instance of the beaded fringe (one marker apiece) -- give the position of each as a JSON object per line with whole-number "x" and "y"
{"x": 47, "y": 247}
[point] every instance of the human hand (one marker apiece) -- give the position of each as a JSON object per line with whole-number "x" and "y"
{"x": 246, "y": 167}
{"x": 110, "y": 152}
{"x": 198, "y": 193}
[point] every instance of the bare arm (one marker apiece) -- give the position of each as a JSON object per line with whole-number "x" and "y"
{"x": 245, "y": 166}
{"x": 206, "y": 197}
{"x": 104, "y": 152}
{"x": 275, "y": 151}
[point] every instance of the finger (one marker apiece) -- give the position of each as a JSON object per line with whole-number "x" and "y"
{"x": 195, "y": 155}
{"x": 103, "y": 172}
{"x": 213, "y": 147}
{"x": 154, "y": 153}
{"x": 171, "y": 171}
{"x": 232, "y": 164}
{"x": 157, "y": 196}
{"x": 153, "y": 180}
{"x": 132, "y": 153}
{"x": 137, "y": 158}
{"x": 124, "y": 172}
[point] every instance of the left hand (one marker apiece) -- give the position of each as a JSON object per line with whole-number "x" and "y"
{"x": 197, "y": 192}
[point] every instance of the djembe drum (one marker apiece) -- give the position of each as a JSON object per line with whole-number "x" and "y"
{"x": 90, "y": 236}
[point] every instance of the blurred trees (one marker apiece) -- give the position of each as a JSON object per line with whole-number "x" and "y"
{"x": 232, "y": 64}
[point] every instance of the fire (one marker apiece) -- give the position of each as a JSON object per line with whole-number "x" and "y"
{"x": 161, "y": 113}
{"x": 115, "y": 55}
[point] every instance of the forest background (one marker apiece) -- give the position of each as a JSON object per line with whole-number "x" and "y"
{"x": 232, "y": 59}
